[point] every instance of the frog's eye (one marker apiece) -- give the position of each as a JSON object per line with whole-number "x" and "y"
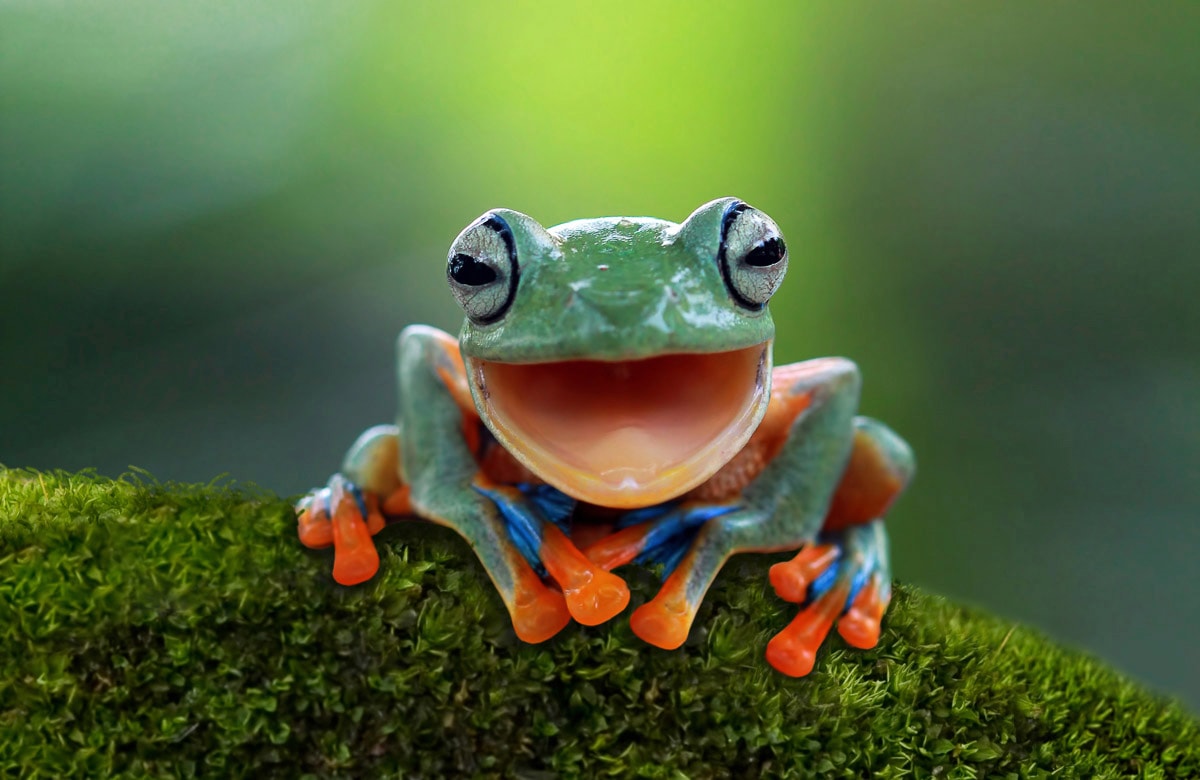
{"x": 482, "y": 269}
{"x": 753, "y": 256}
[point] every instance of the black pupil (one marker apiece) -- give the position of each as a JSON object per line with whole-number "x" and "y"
{"x": 465, "y": 269}
{"x": 767, "y": 253}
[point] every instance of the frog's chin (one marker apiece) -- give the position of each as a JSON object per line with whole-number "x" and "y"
{"x": 625, "y": 433}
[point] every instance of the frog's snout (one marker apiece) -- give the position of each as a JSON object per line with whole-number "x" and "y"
{"x": 622, "y": 307}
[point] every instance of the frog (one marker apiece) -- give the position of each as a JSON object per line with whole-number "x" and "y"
{"x": 611, "y": 399}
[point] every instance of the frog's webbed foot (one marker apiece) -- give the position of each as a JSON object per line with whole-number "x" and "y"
{"x": 352, "y": 507}
{"x": 346, "y": 517}
{"x": 661, "y": 534}
{"x": 844, "y": 577}
{"x": 534, "y": 515}
{"x": 779, "y": 511}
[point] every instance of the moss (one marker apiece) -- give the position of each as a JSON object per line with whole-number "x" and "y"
{"x": 151, "y": 629}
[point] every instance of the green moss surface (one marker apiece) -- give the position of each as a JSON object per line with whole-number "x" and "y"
{"x": 170, "y": 630}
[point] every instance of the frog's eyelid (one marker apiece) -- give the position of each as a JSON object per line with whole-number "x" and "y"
{"x": 499, "y": 226}
{"x": 496, "y": 223}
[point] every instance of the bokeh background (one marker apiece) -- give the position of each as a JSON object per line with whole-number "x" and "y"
{"x": 216, "y": 217}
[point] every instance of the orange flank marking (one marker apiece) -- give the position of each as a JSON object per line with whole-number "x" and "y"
{"x": 355, "y": 559}
{"x": 314, "y": 529}
{"x": 619, "y": 548}
{"x": 793, "y": 650}
{"x": 867, "y": 489}
{"x": 783, "y": 410}
{"x": 860, "y": 626}
{"x": 399, "y": 502}
{"x": 665, "y": 620}
{"x": 453, "y": 372}
{"x": 593, "y": 594}
{"x": 470, "y": 430}
{"x": 538, "y": 612}
{"x": 792, "y": 578}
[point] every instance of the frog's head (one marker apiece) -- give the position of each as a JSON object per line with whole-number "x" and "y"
{"x": 622, "y": 360}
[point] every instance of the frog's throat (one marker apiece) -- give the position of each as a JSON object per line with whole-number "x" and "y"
{"x": 625, "y": 433}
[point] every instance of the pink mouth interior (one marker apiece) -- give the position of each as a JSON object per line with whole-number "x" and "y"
{"x": 626, "y": 432}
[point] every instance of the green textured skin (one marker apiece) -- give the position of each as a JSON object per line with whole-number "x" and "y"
{"x": 661, "y": 292}
{"x": 615, "y": 289}
{"x": 785, "y": 506}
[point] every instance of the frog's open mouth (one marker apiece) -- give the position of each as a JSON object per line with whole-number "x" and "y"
{"x": 626, "y": 433}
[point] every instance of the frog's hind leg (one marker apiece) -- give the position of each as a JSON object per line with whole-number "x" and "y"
{"x": 881, "y": 466}
{"x": 425, "y": 470}
{"x": 846, "y": 575}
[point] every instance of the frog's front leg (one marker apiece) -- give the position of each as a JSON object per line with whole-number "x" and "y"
{"x": 440, "y": 431}
{"x": 809, "y": 435}
{"x": 427, "y": 467}
{"x": 811, "y": 410}
{"x": 537, "y": 518}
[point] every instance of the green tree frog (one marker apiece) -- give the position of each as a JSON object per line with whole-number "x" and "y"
{"x": 611, "y": 399}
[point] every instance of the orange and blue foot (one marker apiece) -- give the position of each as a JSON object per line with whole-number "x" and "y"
{"x": 532, "y": 515}
{"x": 676, "y": 536}
{"x": 846, "y": 580}
{"x": 343, "y": 516}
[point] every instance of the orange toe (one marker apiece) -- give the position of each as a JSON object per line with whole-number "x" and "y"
{"x": 791, "y": 655}
{"x": 619, "y": 548}
{"x": 663, "y": 624}
{"x": 859, "y": 631}
{"x": 860, "y": 626}
{"x": 355, "y": 559}
{"x": 792, "y": 578}
{"x": 593, "y": 595}
{"x": 314, "y": 531}
{"x": 375, "y": 520}
{"x": 596, "y": 601}
{"x": 539, "y": 613}
{"x": 399, "y": 502}
{"x": 793, "y": 651}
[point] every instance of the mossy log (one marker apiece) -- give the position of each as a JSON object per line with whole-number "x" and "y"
{"x": 162, "y": 630}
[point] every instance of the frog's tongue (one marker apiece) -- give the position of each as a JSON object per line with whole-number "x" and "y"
{"x": 626, "y": 433}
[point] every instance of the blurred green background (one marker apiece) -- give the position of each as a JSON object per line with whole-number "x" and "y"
{"x": 217, "y": 216}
